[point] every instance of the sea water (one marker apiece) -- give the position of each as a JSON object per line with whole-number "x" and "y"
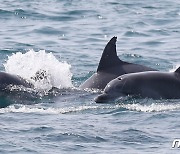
{"x": 65, "y": 38}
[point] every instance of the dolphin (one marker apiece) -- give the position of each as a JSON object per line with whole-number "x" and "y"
{"x": 154, "y": 84}
{"x": 110, "y": 67}
{"x": 7, "y": 79}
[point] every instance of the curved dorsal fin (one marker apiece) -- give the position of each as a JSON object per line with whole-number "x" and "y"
{"x": 177, "y": 70}
{"x": 109, "y": 57}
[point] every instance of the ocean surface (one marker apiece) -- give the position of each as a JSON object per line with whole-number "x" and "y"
{"x": 66, "y": 39}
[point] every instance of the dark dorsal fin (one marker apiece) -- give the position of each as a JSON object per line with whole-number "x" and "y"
{"x": 109, "y": 57}
{"x": 178, "y": 70}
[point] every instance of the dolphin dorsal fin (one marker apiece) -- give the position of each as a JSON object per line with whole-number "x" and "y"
{"x": 178, "y": 70}
{"x": 109, "y": 56}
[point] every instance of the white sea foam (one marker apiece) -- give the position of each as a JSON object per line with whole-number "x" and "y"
{"x": 154, "y": 107}
{"x": 52, "y": 110}
{"x": 174, "y": 68}
{"x": 20, "y": 108}
{"x": 26, "y": 65}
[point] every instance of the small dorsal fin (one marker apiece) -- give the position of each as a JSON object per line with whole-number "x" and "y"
{"x": 178, "y": 70}
{"x": 109, "y": 57}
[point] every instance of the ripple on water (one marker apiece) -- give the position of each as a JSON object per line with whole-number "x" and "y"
{"x": 85, "y": 138}
{"x": 135, "y": 34}
{"x": 138, "y": 137}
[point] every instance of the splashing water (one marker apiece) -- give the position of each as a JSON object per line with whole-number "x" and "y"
{"x": 27, "y": 65}
{"x": 19, "y": 108}
{"x": 175, "y": 68}
{"x": 154, "y": 107}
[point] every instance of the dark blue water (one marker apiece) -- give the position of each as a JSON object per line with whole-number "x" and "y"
{"x": 74, "y": 33}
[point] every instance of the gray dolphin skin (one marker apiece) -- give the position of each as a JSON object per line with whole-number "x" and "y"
{"x": 7, "y": 79}
{"x": 110, "y": 67}
{"x": 156, "y": 85}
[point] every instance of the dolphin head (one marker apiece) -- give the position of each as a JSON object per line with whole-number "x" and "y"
{"x": 113, "y": 90}
{"x": 103, "y": 98}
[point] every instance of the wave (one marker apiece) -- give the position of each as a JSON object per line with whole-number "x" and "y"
{"x": 18, "y": 108}
{"x": 154, "y": 107}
